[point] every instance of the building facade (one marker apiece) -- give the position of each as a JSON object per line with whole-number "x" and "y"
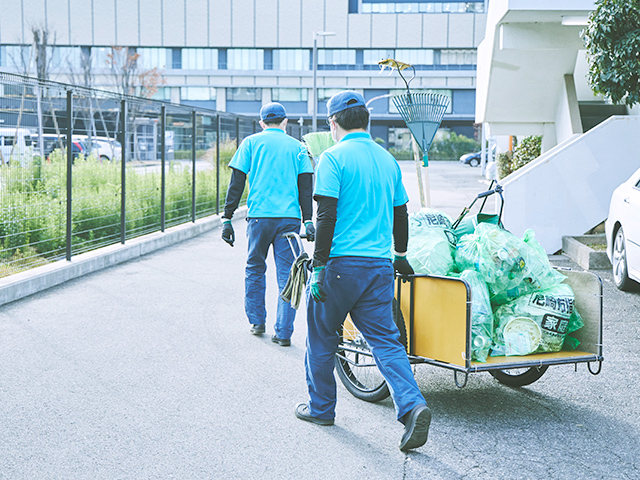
{"x": 236, "y": 55}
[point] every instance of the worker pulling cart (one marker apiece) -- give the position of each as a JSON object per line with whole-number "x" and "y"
{"x": 434, "y": 314}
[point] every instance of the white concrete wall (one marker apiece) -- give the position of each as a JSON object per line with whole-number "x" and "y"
{"x": 567, "y": 190}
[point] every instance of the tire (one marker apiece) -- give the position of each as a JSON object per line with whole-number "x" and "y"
{"x": 358, "y": 371}
{"x": 619, "y": 262}
{"x": 474, "y": 162}
{"x": 519, "y": 377}
{"x": 104, "y": 158}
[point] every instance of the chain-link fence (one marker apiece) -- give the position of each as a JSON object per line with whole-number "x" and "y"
{"x": 56, "y": 202}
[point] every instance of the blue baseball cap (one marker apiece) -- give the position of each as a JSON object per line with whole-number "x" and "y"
{"x": 272, "y": 112}
{"x": 343, "y": 100}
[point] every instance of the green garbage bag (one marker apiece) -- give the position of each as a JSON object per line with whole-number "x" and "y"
{"x": 430, "y": 248}
{"x": 468, "y": 225}
{"x": 481, "y": 316}
{"x": 534, "y": 323}
{"x": 428, "y": 217}
{"x": 541, "y": 270}
{"x": 510, "y": 266}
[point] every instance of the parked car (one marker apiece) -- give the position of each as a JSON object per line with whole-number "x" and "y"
{"x": 105, "y": 149}
{"x": 16, "y": 145}
{"x": 51, "y": 142}
{"x": 622, "y": 229}
{"x": 474, "y": 159}
{"x": 471, "y": 159}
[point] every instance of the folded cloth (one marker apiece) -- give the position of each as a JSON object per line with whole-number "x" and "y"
{"x": 297, "y": 281}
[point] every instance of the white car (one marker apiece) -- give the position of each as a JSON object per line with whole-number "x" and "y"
{"x": 622, "y": 229}
{"x": 105, "y": 149}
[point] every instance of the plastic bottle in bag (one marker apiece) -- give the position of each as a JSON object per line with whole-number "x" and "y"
{"x": 481, "y": 316}
{"x": 535, "y": 323}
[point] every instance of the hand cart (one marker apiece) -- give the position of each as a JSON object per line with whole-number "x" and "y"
{"x": 433, "y": 315}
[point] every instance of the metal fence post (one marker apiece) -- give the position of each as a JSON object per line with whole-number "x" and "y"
{"x": 163, "y": 149}
{"x": 69, "y": 170}
{"x": 218, "y": 164}
{"x": 237, "y": 132}
{"x": 194, "y": 118}
{"x": 123, "y": 171}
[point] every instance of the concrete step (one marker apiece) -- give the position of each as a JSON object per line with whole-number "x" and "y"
{"x": 579, "y": 249}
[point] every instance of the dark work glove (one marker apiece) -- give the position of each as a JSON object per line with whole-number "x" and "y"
{"x": 401, "y": 265}
{"x": 228, "y": 235}
{"x": 310, "y": 230}
{"x": 317, "y": 284}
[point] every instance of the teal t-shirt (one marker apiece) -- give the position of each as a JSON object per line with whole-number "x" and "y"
{"x": 367, "y": 182}
{"x": 272, "y": 161}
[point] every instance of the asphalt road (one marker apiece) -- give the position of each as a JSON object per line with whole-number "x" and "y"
{"x": 147, "y": 370}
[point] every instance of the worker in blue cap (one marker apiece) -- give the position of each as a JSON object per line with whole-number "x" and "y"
{"x": 361, "y": 208}
{"x": 280, "y": 173}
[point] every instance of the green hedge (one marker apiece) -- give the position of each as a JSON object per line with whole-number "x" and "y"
{"x": 448, "y": 147}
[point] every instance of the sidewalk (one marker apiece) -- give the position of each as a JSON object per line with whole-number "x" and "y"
{"x": 147, "y": 370}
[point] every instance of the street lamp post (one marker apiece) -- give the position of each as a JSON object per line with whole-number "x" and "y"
{"x": 314, "y": 122}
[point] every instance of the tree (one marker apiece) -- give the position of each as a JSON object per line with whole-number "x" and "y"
{"x": 129, "y": 78}
{"x": 612, "y": 39}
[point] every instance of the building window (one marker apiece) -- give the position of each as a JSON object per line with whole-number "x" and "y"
{"x": 245, "y": 59}
{"x": 100, "y": 57}
{"x": 199, "y": 58}
{"x": 458, "y": 57}
{"x": 403, "y": 6}
{"x": 163, "y": 93}
{"x": 336, "y": 57}
{"x": 289, "y": 94}
{"x": 244, "y": 94}
{"x": 372, "y": 57}
{"x": 291, "y": 59}
{"x": 198, "y": 93}
{"x": 325, "y": 94}
{"x": 446, "y": 92}
{"x": 154, "y": 58}
{"x": 415, "y": 56}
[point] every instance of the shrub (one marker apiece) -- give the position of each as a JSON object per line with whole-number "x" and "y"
{"x": 504, "y": 164}
{"x": 451, "y": 146}
{"x": 524, "y": 152}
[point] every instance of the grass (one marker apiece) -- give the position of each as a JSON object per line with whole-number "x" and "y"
{"x": 33, "y": 204}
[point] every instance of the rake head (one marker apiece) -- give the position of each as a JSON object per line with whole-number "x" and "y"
{"x": 423, "y": 114}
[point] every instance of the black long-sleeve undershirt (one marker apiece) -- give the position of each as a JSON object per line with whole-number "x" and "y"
{"x": 325, "y": 226}
{"x": 305, "y": 195}
{"x": 234, "y": 193}
{"x": 400, "y": 228}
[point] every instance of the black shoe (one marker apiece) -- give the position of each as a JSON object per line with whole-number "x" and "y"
{"x": 302, "y": 412}
{"x": 416, "y": 428}
{"x": 257, "y": 329}
{"x": 281, "y": 341}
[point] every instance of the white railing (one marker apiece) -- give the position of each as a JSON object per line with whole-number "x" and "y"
{"x": 567, "y": 190}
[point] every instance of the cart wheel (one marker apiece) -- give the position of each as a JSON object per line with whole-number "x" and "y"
{"x": 519, "y": 377}
{"x": 355, "y": 364}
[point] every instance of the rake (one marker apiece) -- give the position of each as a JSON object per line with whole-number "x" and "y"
{"x": 422, "y": 112}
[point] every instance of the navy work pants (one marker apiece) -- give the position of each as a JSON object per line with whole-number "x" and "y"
{"x": 362, "y": 287}
{"x": 261, "y": 234}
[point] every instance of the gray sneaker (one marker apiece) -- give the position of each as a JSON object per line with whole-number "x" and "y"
{"x": 416, "y": 428}
{"x": 302, "y": 412}
{"x": 257, "y": 329}
{"x": 283, "y": 342}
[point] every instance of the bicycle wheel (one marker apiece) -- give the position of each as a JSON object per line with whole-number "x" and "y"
{"x": 355, "y": 364}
